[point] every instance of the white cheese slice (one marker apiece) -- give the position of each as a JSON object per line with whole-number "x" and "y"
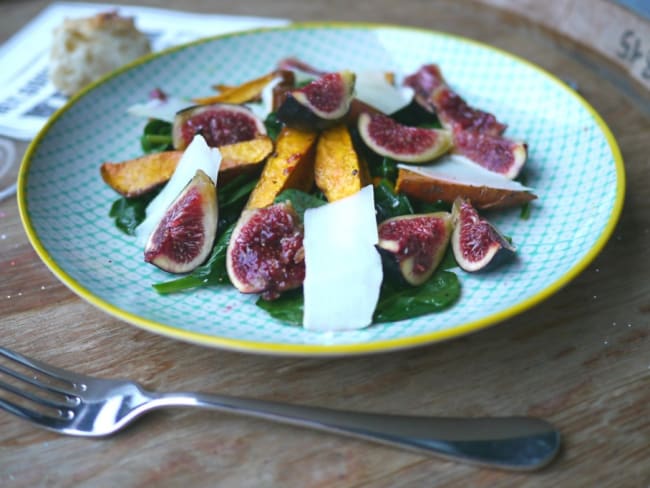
{"x": 343, "y": 268}
{"x": 372, "y": 88}
{"x": 459, "y": 169}
{"x": 160, "y": 109}
{"x": 197, "y": 156}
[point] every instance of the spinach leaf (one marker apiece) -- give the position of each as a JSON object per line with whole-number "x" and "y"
{"x": 396, "y": 302}
{"x": 273, "y": 125}
{"x": 128, "y": 213}
{"x": 287, "y": 308}
{"x": 156, "y": 137}
{"x": 232, "y": 199}
{"x": 415, "y": 115}
{"x": 300, "y": 200}
{"x": 213, "y": 272}
{"x": 399, "y": 303}
{"x": 386, "y": 168}
{"x": 420, "y": 206}
{"x": 388, "y": 203}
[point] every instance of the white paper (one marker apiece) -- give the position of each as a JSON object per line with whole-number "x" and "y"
{"x": 28, "y": 98}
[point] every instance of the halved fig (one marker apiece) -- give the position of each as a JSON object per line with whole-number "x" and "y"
{"x": 219, "y": 124}
{"x": 477, "y": 244}
{"x": 492, "y": 152}
{"x": 320, "y": 104}
{"x": 418, "y": 243}
{"x": 183, "y": 238}
{"x": 424, "y": 82}
{"x": 455, "y": 114}
{"x": 408, "y": 144}
{"x": 265, "y": 254}
{"x": 433, "y": 94}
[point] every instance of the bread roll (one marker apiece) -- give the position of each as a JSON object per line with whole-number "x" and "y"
{"x": 87, "y": 48}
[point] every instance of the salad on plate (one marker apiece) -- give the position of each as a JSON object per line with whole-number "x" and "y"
{"x": 341, "y": 198}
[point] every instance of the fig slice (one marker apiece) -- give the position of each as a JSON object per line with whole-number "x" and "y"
{"x": 434, "y": 94}
{"x": 319, "y": 104}
{"x": 218, "y": 123}
{"x": 477, "y": 244}
{"x": 408, "y": 144}
{"x": 492, "y": 152}
{"x": 183, "y": 238}
{"x": 265, "y": 253}
{"x": 418, "y": 243}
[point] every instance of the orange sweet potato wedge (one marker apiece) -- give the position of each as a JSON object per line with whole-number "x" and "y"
{"x": 246, "y": 92}
{"x": 140, "y": 175}
{"x": 431, "y": 189}
{"x": 290, "y": 166}
{"x": 243, "y": 157}
{"x": 338, "y": 171}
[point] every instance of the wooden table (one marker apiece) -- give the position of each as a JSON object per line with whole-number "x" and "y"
{"x": 581, "y": 359}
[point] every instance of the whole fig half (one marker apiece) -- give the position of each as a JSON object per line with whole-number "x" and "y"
{"x": 408, "y": 144}
{"x": 183, "y": 238}
{"x": 320, "y": 104}
{"x": 492, "y": 152}
{"x": 418, "y": 243}
{"x": 218, "y": 123}
{"x": 477, "y": 244}
{"x": 265, "y": 254}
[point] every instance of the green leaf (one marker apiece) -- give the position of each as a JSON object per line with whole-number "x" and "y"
{"x": 287, "y": 308}
{"x": 232, "y": 199}
{"x": 389, "y": 204}
{"x": 396, "y": 301}
{"x": 439, "y": 292}
{"x": 415, "y": 115}
{"x": 156, "y": 137}
{"x": 213, "y": 272}
{"x": 128, "y": 213}
{"x": 273, "y": 125}
{"x": 386, "y": 168}
{"x": 300, "y": 200}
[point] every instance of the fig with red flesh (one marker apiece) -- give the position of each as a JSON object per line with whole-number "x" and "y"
{"x": 477, "y": 244}
{"x": 476, "y": 134}
{"x": 388, "y": 138}
{"x": 418, "y": 243}
{"x": 433, "y": 94}
{"x": 320, "y": 104}
{"x": 424, "y": 82}
{"x": 183, "y": 238}
{"x": 219, "y": 124}
{"x": 494, "y": 153}
{"x": 265, "y": 254}
{"x": 455, "y": 114}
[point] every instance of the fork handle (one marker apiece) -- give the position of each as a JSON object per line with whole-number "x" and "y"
{"x": 513, "y": 443}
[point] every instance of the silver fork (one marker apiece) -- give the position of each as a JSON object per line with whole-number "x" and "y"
{"x": 74, "y": 404}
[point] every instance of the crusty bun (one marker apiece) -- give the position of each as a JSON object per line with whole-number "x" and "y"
{"x": 85, "y": 49}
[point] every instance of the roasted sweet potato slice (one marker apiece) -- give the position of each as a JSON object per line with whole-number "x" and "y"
{"x": 243, "y": 157}
{"x": 290, "y": 166}
{"x": 246, "y": 92}
{"x": 140, "y": 175}
{"x": 431, "y": 189}
{"x": 338, "y": 171}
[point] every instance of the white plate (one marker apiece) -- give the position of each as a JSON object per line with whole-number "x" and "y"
{"x": 574, "y": 165}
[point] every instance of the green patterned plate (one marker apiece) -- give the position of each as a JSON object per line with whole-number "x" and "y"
{"x": 573, "y": 158}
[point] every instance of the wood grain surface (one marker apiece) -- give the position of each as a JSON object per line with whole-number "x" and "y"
{"x": 581, "y": 359}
